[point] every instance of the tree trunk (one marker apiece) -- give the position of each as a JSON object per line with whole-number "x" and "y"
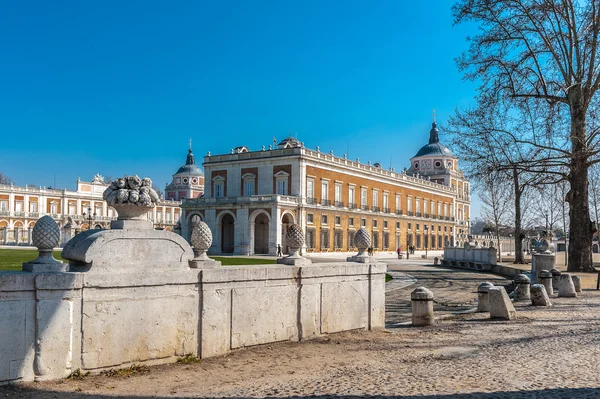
{"x": 518, "y": 232}
{"x": 580, "y": 237}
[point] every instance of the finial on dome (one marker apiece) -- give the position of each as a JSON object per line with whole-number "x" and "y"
{"x": 433, "y": 114}
{"x": 190, "y": 144}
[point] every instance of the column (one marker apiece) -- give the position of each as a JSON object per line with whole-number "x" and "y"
{"x": 274, "y": 230}
{"x": 241, "y": 240}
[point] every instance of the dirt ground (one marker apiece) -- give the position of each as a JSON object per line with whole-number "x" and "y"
{"x": 549, "y": 352}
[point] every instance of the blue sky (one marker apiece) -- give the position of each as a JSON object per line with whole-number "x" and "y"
{"x": 119, "y": 87}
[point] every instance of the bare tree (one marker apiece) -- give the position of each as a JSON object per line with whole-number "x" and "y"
{"x": 495, "y": 192}
{"x": 5, "y": 179}
{"x": 544, "y": 54}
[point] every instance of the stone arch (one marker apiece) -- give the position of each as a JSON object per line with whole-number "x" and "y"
{"x": 31, "y": 224}
{"x": 18, "y": 224}
{"x": 260, "y": 221}
{"x": 226, "y": 221}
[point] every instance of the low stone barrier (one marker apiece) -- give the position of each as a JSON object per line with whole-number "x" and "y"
{"x": 481, "y": 259}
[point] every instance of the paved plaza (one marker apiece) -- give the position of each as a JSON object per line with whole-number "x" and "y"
{"x": 549, "y": 352}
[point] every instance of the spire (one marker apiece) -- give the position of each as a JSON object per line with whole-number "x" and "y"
{"x": 190, "y": 156}
{"x": 434, "y": 133}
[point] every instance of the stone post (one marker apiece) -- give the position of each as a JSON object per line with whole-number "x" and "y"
{"x": 539, "y": 296}
{"x": 500, "y": 305}
{"x": 576, "y": 283}
{"x": 566, "y": 288}
{"x": 545, "y": 278}
{"x": 555, "y": 279}
{"x": 522, "y": 292}
{"x": 422, "y": 307}
{"x": 483, "y": 297}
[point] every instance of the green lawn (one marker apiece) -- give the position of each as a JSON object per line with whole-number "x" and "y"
{"x": 227, "y": 261}
{"x": 12, "y": 259}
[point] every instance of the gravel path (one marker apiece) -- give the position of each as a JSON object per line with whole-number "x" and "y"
{"x": 545, "y": 353}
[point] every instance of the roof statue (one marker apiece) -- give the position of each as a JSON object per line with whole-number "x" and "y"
{"x": 98, "y": 178}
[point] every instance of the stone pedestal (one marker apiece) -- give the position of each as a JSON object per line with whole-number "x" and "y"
{"x": 422, "y": 307}
{"x": 500, "y": 305}
{"x": 576, "y": 283}
{"x": 566, "y": 288}
{"x": 539, "y": 296}
{"x": 522, "y": 292}
{"x": 294, "y": 260}
{"x": 539, "y": 262}
{"x": 483, "y": 297}
{"x": 545, "y": 279}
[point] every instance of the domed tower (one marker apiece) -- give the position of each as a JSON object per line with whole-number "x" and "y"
{"x": 188, "y": 181}
{"x": 434, "y": 160}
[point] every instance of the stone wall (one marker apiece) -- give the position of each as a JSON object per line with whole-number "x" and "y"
{"x": 470, "y": 258}
{"x": 55, "y": 323}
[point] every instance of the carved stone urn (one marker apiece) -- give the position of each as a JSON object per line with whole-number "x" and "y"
{"x": 132, "y": 198}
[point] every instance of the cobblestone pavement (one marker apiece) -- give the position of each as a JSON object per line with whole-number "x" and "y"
{"x": 549, "y": 353}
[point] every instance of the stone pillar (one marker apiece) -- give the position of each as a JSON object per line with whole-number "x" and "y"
{"x": 522, "y": 292}
{"x": 242, "y": 232}
{"x": 274, "y": 230}
{"x": 576, "y": 283}
{"x": 566, "y": 288}
{"x": 539, "y": 296}
{"x": 483, "y": 297}
{"x": 555, "y": 279}
{"x": 545, "y": 278}
{"x": 539, "y": 262}
{"x": 500, "y": 305}
{"x": 422, "y": 307}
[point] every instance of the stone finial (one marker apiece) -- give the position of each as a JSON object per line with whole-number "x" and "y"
{"x": 201, "y": 239}
{"x": 362, "y": 241}
{"x": 483, "y": 301}
{"x": 294, "y": 239}
{"x": 566, "y": 288}
{"x": 522, "y": 288}
{"x": 422, "y": 307}
{"x": 539, "y": 296}
{"x": 45, "y": 237}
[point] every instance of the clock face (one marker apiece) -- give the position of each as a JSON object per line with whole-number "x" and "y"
{"x": 426, "y": 164}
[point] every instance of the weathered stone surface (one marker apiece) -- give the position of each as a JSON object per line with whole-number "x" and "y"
{"x": 576, "y": 283}
{"x": 500, "y": 305}
{"x": 483, "y": 299}
{"x": 522, "y": 292}
{"x": 422, "y": 307}
{"x": 345, "y": 306}
{"x": 539, "y": 296}
{"x": 539, "y": 263}
{"x": 555, "y": 279}
{"x": 566, "y": 288}
{"x": 545, "y": 278}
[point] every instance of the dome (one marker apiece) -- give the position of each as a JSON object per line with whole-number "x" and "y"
{"x": 190, "y": 167}
{"x": 434, "y": 147}
{"x": 289, "y": 142}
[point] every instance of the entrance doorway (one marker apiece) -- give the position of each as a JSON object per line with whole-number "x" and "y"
{"x": 261, "y": 234}
{"x": 227, "y": 234}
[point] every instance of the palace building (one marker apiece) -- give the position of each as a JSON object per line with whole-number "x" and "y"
{"x": 251, "y": 197}
{"x": 73, "y": 210}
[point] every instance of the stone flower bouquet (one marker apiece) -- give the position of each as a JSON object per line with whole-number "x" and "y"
{"x": 131, "y": 190}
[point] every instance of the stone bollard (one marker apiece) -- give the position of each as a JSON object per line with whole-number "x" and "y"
{"x": 545, "y": 278}
{"x": 422, "y": 307}
{"x": 522, "y": 292}
{"x": 436, "y": 261}
{"x": 483, "y": 297}
{"x": 566, "y": 288}
{"x": 500, "y": 305}
{"x": 555, "y": 278}
{"x": 576, "y": 283}
{"x": 539, "y": 296}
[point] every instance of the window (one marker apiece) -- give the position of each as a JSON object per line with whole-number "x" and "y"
{"x": 375, "y": 242}
{"x": 375, "y": 198}
{"x": 351, "y": 196}
{"x": 19, "y": 206}
{"x": 310, "y": 189}
{"x": 374, "y": 223}
{"x": 439, "y": 209}
{"x": 397, "y": 225}
{"x": 168, "y": 214}
{"x": 324, "y": 239}
{"x": 282, "y": 186}
{"x": 363, "y": 222}
{"x": 409, "y": 205}
{"x": 219, "y": 189}
{"x": 324, "y": 190}
{"x": 397, "y": 202}
{"x": 385, "y": 224}
{"x": 350, "y": 221}
{"x": 338, "y": 194}
{"x": 445, "y": 228}
{"x": 432, "y": 207}
{"x": 351, "y": 239}
{"x": 425, "y": 203}
{"x": 439, "y": 228}
{"x": 338, "y": 220}
{"x": 310, "y": 238}
{"x": 386, "y": 240}
{"x": 363, "y": 197}
{"x": 323, "y": 219}
{"x": 54, "y": 207}
{"x": 337, "y": 239}
{"x": 418, "y": 206}
{"x": 33, "y": 207}
{"x": 385, "y": 202}
{"x": 249, "y": 184}
{"x": 4, "y": 206}
{"x": 410, "y": 226}
{"x": 418, "y": 226}
{"x": 309, "y": 218}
